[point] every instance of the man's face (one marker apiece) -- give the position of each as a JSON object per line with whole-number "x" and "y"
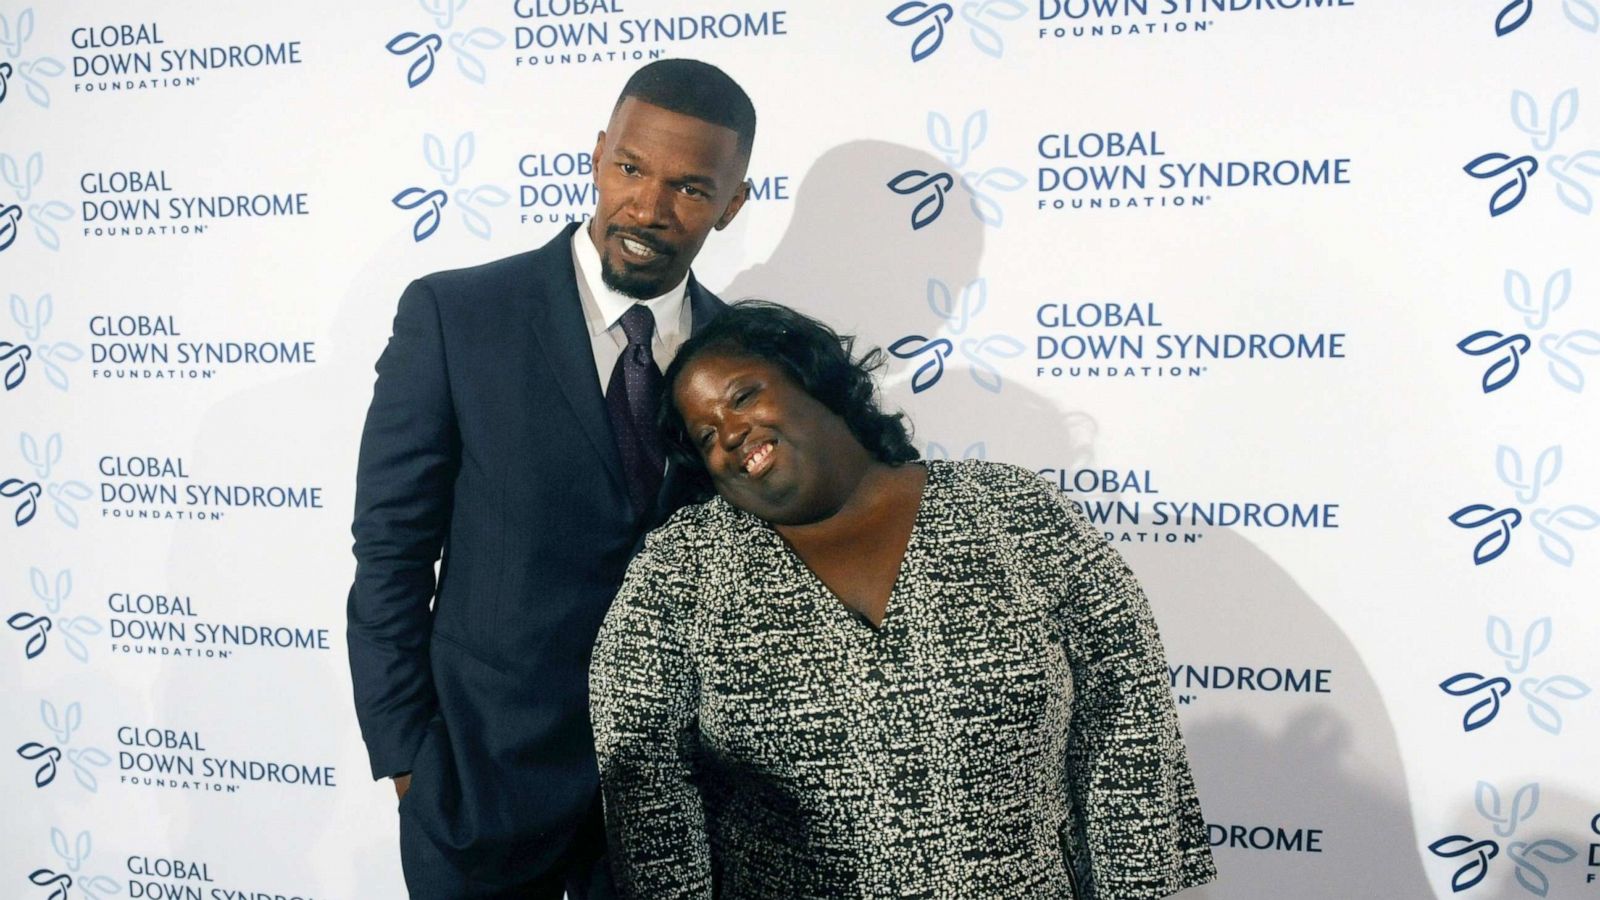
{"x": 665, "y": 181}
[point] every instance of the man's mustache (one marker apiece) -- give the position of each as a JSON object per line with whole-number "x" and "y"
{"x": 643, "y": 237}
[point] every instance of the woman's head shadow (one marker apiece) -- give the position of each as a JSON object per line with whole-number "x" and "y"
{"x": 1296, "y": 784}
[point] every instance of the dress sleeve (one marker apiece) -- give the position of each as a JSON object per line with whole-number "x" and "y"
{"x": 644, "y": 695}
{"x": 1138, "y": 833}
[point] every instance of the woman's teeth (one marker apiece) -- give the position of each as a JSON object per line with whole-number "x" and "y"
{"x": 757, "y": 457}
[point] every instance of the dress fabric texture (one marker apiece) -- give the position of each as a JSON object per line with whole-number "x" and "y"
{"x": 1008, "y": 732}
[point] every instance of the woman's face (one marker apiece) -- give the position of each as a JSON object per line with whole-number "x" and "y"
{"x": 771, "y": 449}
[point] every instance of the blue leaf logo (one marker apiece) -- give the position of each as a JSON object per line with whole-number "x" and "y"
{"x": 464, "y": 45}
{"x": 24, "y": 621}
{"x": 1583, "y": 14}
{"x": 17, "y": 369}
{"x": 443, "y": 11}
{"x": 979, "y": 353}
{"x": 33, "y": 751}
{"x": 1519, "y": 296}
{"x": 469, "y": 200}
{"x": 1512, "y": 17}
{"x": 25, "y": 177}
{"x": 409, "y": 42}
{"x": 1525, "y": 115}
{"x": 1574, "y": 193}
{"x": 1530, "y": 875}
{"x": 1510, "y": 193}
{"x": 428, "y": 222}
{"x": 915, "y": 12}
{"x": 958, "y": 313}
{"x": 1523, "y": 805}
{"x": 461, "y": 154}
{"x": 1541, "y": 711}
{"x": 974, "y": 131}
{"x": 12, "y": 40}
{"x": 84, "y": 762}
{"x": 1482, "y": 712}
{"x": 1558, "y": 348}
{"x": 975, "y": 450}
{"x": 28, "y": 505}
{"x": 999, "y": 178}
{"x": 1546, "y": 469}
{"x": 74, "y": 853}
{"x": 59, "y": 883}
{"x": 985, "y": 36}
{"x": 932, "y": 369}
{"x": 914, "y": 181}
{"x": 1503, "y": 370}
{"x": 1551, "y": 522}
{"x": 1472, "y": 871}
{"x": 1535, "y": 640}
{"x": 9, "y": 217}
{"x": 1495, "y": 543}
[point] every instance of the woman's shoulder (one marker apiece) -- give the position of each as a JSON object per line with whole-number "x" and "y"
{"x": 985, "y": 481}
{"x": 1004, "y": 498}
{"x": 694, "y": 527}
{"x": 703, "y": 540}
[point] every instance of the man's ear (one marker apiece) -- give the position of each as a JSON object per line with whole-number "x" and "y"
{"x": 734, "y": 205}
{"x": 594, "y": 160}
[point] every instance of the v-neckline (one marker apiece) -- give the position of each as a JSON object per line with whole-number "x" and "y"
{"x": 834, "y": 599}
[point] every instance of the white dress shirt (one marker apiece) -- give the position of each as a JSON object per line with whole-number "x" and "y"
{"x": 603, "y": 309}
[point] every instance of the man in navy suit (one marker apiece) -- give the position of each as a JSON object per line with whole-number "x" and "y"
{"x": 511, "y": 432}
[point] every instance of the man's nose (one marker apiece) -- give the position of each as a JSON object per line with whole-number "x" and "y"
{"x": 650, "y": 205}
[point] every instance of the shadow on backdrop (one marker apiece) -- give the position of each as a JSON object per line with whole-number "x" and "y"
{"x": 1294, "y": 761}
{"x": 850, "y": 254}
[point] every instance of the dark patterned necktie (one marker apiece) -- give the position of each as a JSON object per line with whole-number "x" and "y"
{"x": 631, "y": 399}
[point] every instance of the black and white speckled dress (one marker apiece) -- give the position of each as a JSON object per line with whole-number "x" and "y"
{"x": 1007, "y": 733}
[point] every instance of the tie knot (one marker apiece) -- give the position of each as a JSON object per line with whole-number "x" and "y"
{"x": 638, "y": 324}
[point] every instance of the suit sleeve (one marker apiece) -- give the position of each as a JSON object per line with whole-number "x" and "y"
{"x": 1138, "y": 832}
{"x": 410, "y": 452}
{"x": 644, "y": 692}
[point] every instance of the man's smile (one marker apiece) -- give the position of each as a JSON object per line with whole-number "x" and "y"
{"x": 639, "y": 249}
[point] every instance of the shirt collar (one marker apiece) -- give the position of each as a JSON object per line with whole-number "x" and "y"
{"x": 606, "y": 306}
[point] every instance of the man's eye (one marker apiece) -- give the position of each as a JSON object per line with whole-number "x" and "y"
{"x": 627, "y": 168}
{"x": 692, "y": 191}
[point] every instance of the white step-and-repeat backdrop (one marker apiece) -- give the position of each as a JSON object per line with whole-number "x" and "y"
{"x": 1299, "y": 298}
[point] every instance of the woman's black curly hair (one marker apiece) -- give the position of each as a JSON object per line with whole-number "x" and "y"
{"x": 817, "y": 358}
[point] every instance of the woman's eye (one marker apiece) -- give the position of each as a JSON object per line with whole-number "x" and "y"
{"x": 741, "y": 398}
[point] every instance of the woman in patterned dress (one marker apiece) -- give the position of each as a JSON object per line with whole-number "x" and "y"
{"x": 851, "y": 674}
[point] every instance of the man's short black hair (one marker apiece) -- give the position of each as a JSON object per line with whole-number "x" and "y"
{"x": 694, "y": 88}
{"x": 822, "y": 363}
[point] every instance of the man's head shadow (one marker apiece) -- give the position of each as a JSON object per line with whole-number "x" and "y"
{"x": 851, "y": 246}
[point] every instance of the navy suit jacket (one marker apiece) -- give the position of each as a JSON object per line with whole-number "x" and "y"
{"x": 488, "y": 442}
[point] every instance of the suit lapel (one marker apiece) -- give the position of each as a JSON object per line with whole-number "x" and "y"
{"x": 562, "y": 334}
{"x": 703, "y": 307}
